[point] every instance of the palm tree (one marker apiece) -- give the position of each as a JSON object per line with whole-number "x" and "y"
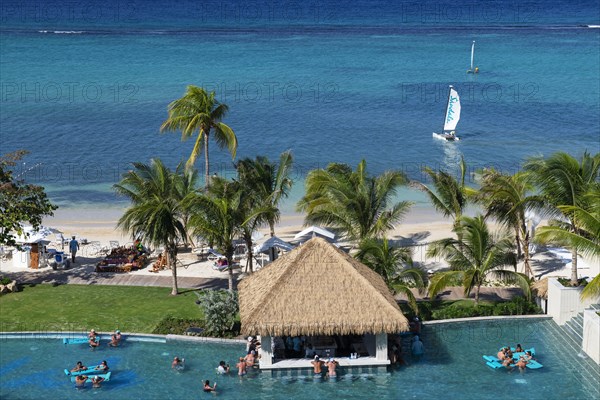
{"x": 360, "y": 206}
{"x": 448, "y": 195}
{"x": 188, "y": 186}
{"x": 477, "y": 255}
{"x": 218, "y": 216}
{"x": 270, "y": 183}
{"x": 507, "y": 198}
{"x": 394, "y": 264}
{"x": 199, "y": 111}
{"x": 156, "y": 213}
{"x": 563, "y": 181}
{"x": 586, "y": 240}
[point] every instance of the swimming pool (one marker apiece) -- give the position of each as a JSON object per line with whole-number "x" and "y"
{"x": 452, "y": 368}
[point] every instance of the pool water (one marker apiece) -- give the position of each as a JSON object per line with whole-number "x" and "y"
{"x": 452, "y": 368}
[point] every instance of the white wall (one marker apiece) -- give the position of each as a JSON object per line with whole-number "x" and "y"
{"x": 266, "y": 355}
{"x": 591, "y": 334}
{"x": 564, "y": 302}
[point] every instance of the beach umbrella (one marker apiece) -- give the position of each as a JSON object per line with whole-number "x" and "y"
{"x": 271, "y": 245}
{"x": 271, "y": 242}
{"x": 313, "y": 231}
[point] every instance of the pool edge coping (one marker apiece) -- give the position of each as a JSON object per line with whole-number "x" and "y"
{"x": 127, "y": 335}
{"x": 490, "y": 317}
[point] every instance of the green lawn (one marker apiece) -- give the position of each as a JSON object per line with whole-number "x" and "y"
{"x": 83, "y": 307}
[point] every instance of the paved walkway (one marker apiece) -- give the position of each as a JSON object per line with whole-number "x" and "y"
{"x": 82, "y": 276}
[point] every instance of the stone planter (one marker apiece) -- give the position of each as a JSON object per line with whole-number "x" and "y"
{"x": 564, "y": 302}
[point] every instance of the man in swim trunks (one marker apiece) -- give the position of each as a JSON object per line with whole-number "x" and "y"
{"x": 96, "y": 381}
{"x": 522, "y": 363}
{"x": 241, "y": 366}
{"x": 222, "y": 368}
{"x": 508, "y": 363}
{"x": 331, "y": 365}
{"x": 78, "y": 367}
{"x": 178, "y": 363}
{"x": 208, "y": 388}
{"x": 317, "y": 365}
{"x": 80, "y": 381}
{"x": 115, "y": 339}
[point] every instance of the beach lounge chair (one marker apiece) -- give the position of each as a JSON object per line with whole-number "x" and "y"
{"x": 213, "y": 255}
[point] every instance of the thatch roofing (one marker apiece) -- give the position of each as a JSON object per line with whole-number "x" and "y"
{"x": 541, "y": 288}
{"x": 317, "y": 289}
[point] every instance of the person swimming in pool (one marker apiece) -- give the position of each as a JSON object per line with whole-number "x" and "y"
{"x": 80, "y": 381}
{"x": 208, "y": 388}
{"x": 178, "y": 363}
{"x": 115, "y": 339}
{"x": 78, "y": 367}
{"x": 317, "y": 365}
{"x": 331, "y": 366}
{"x": 103, "y": 367}
{"x": 241, "y": 366}
{"x": 519, "y": 349}
{"x": 96, "y": 381}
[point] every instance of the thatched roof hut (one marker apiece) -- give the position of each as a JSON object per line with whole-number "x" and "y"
{"x": 541, "y": 288}
{"x": 317, "y": 289}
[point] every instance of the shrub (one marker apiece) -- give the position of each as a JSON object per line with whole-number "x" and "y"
{"x": 516, "y": 306}
{"x": 566, "y": 282}
{"x": 5, "y": 281}
{"x": 176, "y": 326}
{"x": 220, "y": 311}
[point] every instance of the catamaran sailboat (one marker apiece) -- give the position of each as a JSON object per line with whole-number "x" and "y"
{"x": 451, "y": 118}
{"x": 476, "y": 69}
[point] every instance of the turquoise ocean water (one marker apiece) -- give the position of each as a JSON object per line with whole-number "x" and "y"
{"x": 84, "y": 86}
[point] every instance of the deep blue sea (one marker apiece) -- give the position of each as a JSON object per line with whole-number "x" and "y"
{"x": 85, "y": 85}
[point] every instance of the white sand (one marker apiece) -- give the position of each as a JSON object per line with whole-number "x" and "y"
{"x": 420, "y": 227}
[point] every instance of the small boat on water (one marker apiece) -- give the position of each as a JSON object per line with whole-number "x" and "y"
{"x": 105, "y": 376}
{"x": 473, "y": 70}
{"x": 451, "y": 117}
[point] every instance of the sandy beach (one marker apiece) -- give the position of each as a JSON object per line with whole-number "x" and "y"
{"x": 419, "y": 227}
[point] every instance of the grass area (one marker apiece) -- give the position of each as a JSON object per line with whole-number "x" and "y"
{"x": 104, "y": 308}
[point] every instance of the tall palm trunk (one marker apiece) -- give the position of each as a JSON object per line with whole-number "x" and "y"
{"x": 574, "y": 280}
{"x": 206, "y": 160}
{"x": 518, "y": 242}
{"x": 526, "y": 263}
{"x": 172, "y": 260}
{"x": 230, "y": 272}
{"x": 477, "y": 288}
{"x": 272, "y": 228}
{"x": 249, "y": 264}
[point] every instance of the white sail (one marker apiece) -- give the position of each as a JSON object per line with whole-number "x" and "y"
{"x": 453, "y": 111}
{"x": 472, "y": 54}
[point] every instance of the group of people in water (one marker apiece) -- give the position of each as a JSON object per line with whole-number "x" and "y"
{"x": 94, "y": 372}
{"x": 248, "y": 361}
{"x": 506, "y": 357}
{"x": 94, "y": 339}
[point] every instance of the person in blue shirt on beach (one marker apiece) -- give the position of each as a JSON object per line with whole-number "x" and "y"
{"x": 73, "y": 247}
